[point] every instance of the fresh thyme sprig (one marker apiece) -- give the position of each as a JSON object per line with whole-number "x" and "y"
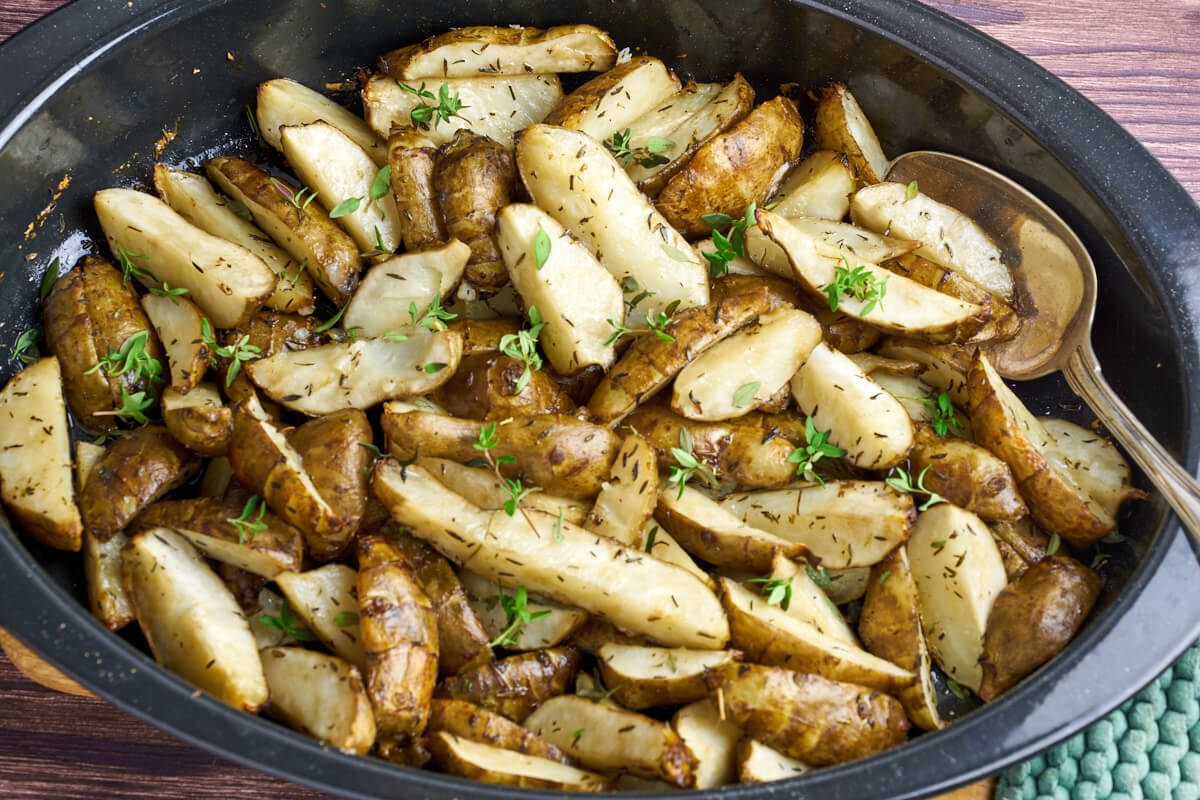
{"x": 730, "y": 244}
{"x": 443, "y": 108}
{"x": 133, "y": 407}
{"x": 941, "y": 412}
{"x": 816, "y": 447}
{"x": 26, "y": 350}
{"x": 287, "y": 623}
{"x": 166, "y": 291}
{"x": 248, "y": 521}
{"x": 648, "y": 155}
{"x": 687, "y": 465}
{"x": 131, "y": 357}
{"x": 516, "y": 615}
{"x": 902, "y": 481}
{"x": 237, "y": 353}
{"x": 522, "y": 346}
{"x": 777, "y": 590}
{"x": 295, "y": 196}
{"x": 432, "y": 317}
{"x": 619, "y": 330}
{"x": 859, "y": 283}
{"x": 131, "y": 270}
{"x": 488, "y": 439}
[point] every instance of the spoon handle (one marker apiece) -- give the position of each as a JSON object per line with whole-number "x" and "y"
{"x": 1177, "y": 487}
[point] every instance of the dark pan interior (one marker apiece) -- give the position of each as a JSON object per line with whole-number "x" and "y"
{"x": 104, "y": 79}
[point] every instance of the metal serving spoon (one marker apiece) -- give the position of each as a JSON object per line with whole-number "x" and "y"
{"x": 1056, "y": 284}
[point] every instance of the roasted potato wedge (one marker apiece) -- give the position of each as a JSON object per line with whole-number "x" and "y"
{"x": 966, "y": 475}
{"x": 595, "y": 633}
{"x": 807, "y": 717}
{"x": 668, "y": 603}
{"x": 341, "y": 172}
{"x": 558, "y": 453}
{"x": 483, "y": 762}
{"x": 193, "y": 624}
{"x": 1033, "y": 619}
{"x": 492, "y": 50}
{"x": 644, "y": 677}
{"x": 469, "y": 721}
{"x": 384, "y": 301}
{"x": 712, "y": 740}
{"x": 412, "y": 156}
{"x": 263, "y": 545}
{"x": 35, "y": 460}
{"x": 627, "y": 499}
{"x": 612, "y": 101}
{"x": 102, "y": 560}
{"x": 178, "y": 324}
{"x": 358, "y": 373}
{"x": 90, "y": 313}
{"x": 743, "y": 165}
{"x": 300, "y": 227}
{"x": 574, "y": 178}
{"x": 1095, "y": 463}
{"x": 515, "y": 686}
{"x": 1002, "y": 424}
{"x": 493, "y": 106}
{"x": 326, "y": 601}
{"x": 485, "y": 335}
{"x": 614, "y": 739}
{"x": 320, "y": 695}
{"x": 199, "y": 419}
{"x": 333, "y": 451}
{"x": 808, "y": 602}
{"x": 555, "y": 623}
{"x": 769, "y": 635}
{"x": 757, "y": 763}
{"x": 1005, "y": 322}
{"x": 820, "y": 187}
{"x": 481, "y": 486}
{"x": 844, "y": 523}
{"x": 282, "y": 101}
{"x": 959, "y": 574}
{"x": 946, "y": 365}
{"x": 660, "y": 544}
{"x": 193, "y": 198}
{"x": 227, "y": 281}
{"x": 841, "y": 125}
{"x": 947, "y": 236}
{"x": 488, "y": 387}
{"x": 744, "y": 370}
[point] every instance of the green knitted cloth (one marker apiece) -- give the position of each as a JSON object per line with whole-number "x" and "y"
{"x": 1148, "y": 748}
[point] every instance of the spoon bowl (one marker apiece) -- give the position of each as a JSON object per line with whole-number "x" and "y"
{"x": 1055, "y": 283}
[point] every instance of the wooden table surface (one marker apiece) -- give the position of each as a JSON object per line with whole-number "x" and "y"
{"x": 1142, "y": 65}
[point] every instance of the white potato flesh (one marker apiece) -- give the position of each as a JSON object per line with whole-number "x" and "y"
{"x": 500, "y": 51}
{"x": 645, "y": 677}
{"x": 948, "y": 237}
{"x": 191, "y": 620}
{"x": 820, "y": 186}
{"x": 322, "y": 598}
{"x": 660, "y": 544}
{"x": 498, "y": 765}
{"x": 912, "y": 393}
{"x": 644, "y": 83}
{"x": 35, "y": 456}
{"x": 557, "y": 624}
{"x": 798, "y": 645}
{"x": 383, "y": 301}
{"x": 862, "y": 419}
{"x": 959, "y": 574}
{"x": 320, "y": 695}
{"x": 908, "y": 307}
{"x": 627, "y": 499}
{"x": 761, "y": 764}
{"x": 178, "y": 324}
{"x": 575, "y": 179}
{"x": 1094, "y": 462}
{"x": 284, "y": 102}
{"x": 809, "y": 602}
{"x": 331, "y": 164}
{"x": 574, "y": 294}
{"x": 737, "y": 374}
{"x": 358, "y": 373}
{"x": 107, "y": 596}
{"x": 267, "y": 553}
{"x": 713, "y": 533}
{"x": 194, "y": 199}
{"x": 667, "y": 120}
{"x": 496, "y": 107}
{"x": 227, "y": 281}
{"x": 712, "y": 740}
{"x": 844, "y": 523}
{"x": 841, "y": 239}
{"x": 481, "y": 487}
{"x": 573, "y": 566}
{"x": 842, "y": 125}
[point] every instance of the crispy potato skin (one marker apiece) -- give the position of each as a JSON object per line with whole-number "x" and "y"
{"x": 808, "y": 717}
{"x": 412, "y": 157}
{"x": 333, "y": 455}
{"x": 569, "y": 111}
{"x": 475, "y": 177}
{"x": 890, "y": 622}
{"x": 462, "y": 639}
{"x": 274, "y": 332}
{"x": 840, "y": 331}
{"x": 721, "y": 548}
{"x": 595, "y": 632}
{"x": 90, "y": 313}
{"x": 399, "y": 634}
{"x": 485, "y": 387}
{"x": 734, "y": 169}
{"x": 966, "y": 475}
{"x": 1033, "y": 619}
{"x": 480, "y": 725}
{"x": 136, "y": 470}
{"x": 518, "y": 684}
{"x": 561, "y": 454}
{"x": 203, "y": 430}
{"x": 558, "y": 56}
{"x": 484, "y": 335}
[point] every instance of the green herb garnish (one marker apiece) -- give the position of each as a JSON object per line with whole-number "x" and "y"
{"x": 777, "y": 590}
{"x": 517, "y": 616}
{"x": 648, "y": 155}
{"x": 817, "y": 447}
{"x": 902, "y": 481}
{"x": 443, "y": 108}
{"x": 522, "y": 346}
{"x": 248, "y": 521}
{"x": 859, "y": 283}
{"x": 687, "y": 465}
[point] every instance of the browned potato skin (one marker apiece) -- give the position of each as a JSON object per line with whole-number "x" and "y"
{"x": 780, "y": 293}
{"x": 399, "y": 634}
{"x": 839, "y": 331}
{"x": 412, "y": 157}
{"x": 210, "y": 516}
{"x": 1033, "y": 619}
{"x": 205, "y": 431}
{"x": 480, "y": 725}
{"x": 580, "y": 386}
{"x": 274, "y": 332}
{"x": 735, "y": 168}
{"x": 90, "y": 313}
{"x": 1027, "y": 541}
{"x": 587, "y": 95}
{"x": 890, "y": 621}
{"x": 485, "y": 387}
{"x": 245, "y": 586}
{"x": 449, "y": 763}
{"x": 1004, "y": 322}
{"x": 750, "y": 555}
{"x": 595, "y": 632}
{"x": 516, "y": 685}
{"x": 473, "y": 179}
{"x": 339, "y": 263}
{"x": 734, "y": 448}
{"x": 561, "y": 454}
{"x": 807, "y": 717}
{"x": 966, "y": 475}
{"x": 650, "y": 363}
{"x": 333, "y": 455}
{"x": 829, "y": 133}
{"x": 462, "y": 639}
{"x": 479, "y": 38}
{"x": 484, "y": 335}
{"x": 136, "y": 470}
